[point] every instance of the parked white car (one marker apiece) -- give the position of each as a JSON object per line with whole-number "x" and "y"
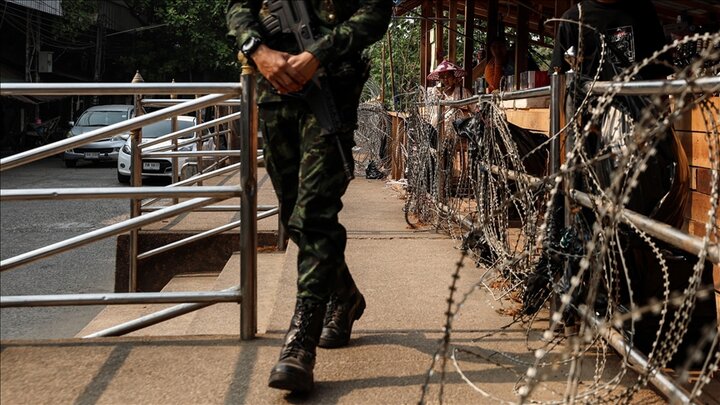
{"x": 159, "y": 167}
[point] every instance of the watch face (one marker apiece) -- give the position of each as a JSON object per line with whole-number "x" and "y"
{"x": 250, "y": 45}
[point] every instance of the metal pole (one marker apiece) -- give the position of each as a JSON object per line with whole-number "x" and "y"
{"x": 282, "y": 232}
{"x": 174, "y": 159}
{"x": 96, "y": 193}
{"x": 557, "y": 117}
{"x": 155, "y": 318}
{"x": 195, "y": 153}
{"x": 114, "y": 89}
{"x": 44, "y": 151}
{"x": 664, "y": 232}
{"x": 440, "y": 174}
{"x": 200, "y": 144}
{"x": 674, "y": 392}
{"x": 701, "y": 85}
{"x": 117, "y": 298}
{"x": 560, "y": 217}
{"x": 164, "y": 102}
{"x": 102, "y": 233}
{"x": 194, "y": 128}
{"x": 202, "y": 235}
{"x": 135, "y": 181}
{"x": 248, "y": 204}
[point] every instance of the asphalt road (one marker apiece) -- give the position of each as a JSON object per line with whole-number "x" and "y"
{"x": 28, "y": 225}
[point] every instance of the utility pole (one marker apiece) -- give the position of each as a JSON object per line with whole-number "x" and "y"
{"x": 98, "y": 53}
{"x": 28, "y": 61}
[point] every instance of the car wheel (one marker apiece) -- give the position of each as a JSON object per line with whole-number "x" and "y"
{"x": 70, "y": 163}
{"x": 123, "y": 178}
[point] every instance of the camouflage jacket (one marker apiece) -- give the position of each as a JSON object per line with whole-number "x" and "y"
{"x": 347, "y": 27}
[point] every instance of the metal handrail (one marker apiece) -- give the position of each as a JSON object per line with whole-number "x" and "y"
{"x": 221, "y": 192}
{"x": 190, "y": 141}
{"x": 195, "y": 128}
{"x": 110, "y": 130}
{"x": 199, "y": 236}
{"x": 207, "y": 195}
{"x": 666, "y": 233}
{"x": 212, "y": 208}
{"x": 157, "y": 317}
{"x": 199, "y": 177}
{"x": 164, "y": 297}
{"x": 192, "y": 153}
{"x": 660, "y": 230}
{"x": 116, "y": 89}
{"x": 505, "y": 95}
{"x": 164, "y": 102}
{"x": 703, "y": 84}
{"x": 102, "y": 233}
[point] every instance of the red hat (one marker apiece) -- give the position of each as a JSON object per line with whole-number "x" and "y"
{"x": 446, "y": 66}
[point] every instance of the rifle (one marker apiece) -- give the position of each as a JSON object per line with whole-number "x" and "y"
{"x": 293, "y": 16}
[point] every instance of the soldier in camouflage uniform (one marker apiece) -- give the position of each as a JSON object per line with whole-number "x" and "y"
{"x": 305, "y": 165}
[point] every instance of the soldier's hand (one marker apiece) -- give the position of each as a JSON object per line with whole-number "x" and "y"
{"x": 275, "y": 67}
{"x": 306, "y": 64}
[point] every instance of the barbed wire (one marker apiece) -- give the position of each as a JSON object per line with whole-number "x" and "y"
{"x": 484, "y": 186}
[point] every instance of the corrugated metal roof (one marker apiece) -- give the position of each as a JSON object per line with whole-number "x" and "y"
{"x": 46, "y": 6}
{"x": 702, "y": 11}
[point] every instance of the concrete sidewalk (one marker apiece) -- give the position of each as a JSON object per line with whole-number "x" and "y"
{"x": 405, "y": 275}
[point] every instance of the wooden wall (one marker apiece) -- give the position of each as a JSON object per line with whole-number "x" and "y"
{"x": 691, "y": 130}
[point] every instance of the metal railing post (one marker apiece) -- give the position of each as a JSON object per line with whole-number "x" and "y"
{"x": 135, "y": 181}
{"x": 175, "y": 168}
{"x": 441, "y": 175}
{"x": 282, "y": 232}
{"x": 560, "y": 203}
{"x": 248, "y": 205}
{"x": 200, "y": 145}
{"x": 557, "y": 117}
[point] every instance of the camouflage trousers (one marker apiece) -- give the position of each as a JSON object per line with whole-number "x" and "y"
{"x": 306, "y": 171}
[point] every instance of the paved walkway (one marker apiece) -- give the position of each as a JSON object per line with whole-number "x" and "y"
{"x": 405, "y": 275}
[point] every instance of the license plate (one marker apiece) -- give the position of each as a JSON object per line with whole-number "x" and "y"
{"x": 151, "y": 166}
{"x": 92, "y": 155}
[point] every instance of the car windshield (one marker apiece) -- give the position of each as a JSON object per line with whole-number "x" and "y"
{"x": 102, "y": 118}
{"x": 161, "y": 128}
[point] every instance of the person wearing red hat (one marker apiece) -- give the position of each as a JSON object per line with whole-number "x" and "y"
{"x": 449, "y": 76}
{"x": 447, "y": 144}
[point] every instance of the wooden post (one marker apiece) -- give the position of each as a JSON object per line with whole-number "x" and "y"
{"x": 492, "y": 24}
{"x": 439, "y": 31}
{"x": 469, "y": 42}
{"x": 393, "y": 91}
{"x": 425, "y": 42}
{"x": 522, "y": 40}
{"x": 382, "y": 71}
{"x": 452, "y": 31}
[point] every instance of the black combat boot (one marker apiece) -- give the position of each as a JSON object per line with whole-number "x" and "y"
{"x": 339, "y": 319}
{"x": 294, "y": 369}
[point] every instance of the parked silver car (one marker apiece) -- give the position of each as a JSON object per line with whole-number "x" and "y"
{"x": 92, "y": 119}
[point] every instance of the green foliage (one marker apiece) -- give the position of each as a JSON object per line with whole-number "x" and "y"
{"x": 79, "y": 15}
{"x": 191, "y": 46}
{"x": 405, "y": 56}
{"x": 186, "y": 41}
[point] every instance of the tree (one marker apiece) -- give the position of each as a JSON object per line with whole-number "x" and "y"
{"x": 191, "y": 46}
{"x": 187, "y": 41}
{"x": 405, "y": 34}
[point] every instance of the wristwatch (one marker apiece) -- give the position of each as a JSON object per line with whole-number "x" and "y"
{"x": 250, "y": 46}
